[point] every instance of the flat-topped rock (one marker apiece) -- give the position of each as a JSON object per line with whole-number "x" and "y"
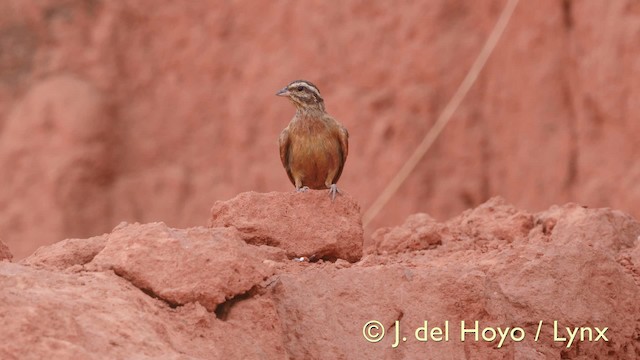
{"x": 307, "y": 224}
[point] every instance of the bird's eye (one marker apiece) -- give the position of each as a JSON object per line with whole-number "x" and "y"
{"x": 300, "y": 88}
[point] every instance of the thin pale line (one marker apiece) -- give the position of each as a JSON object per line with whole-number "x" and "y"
{"x": 444, "y": 117}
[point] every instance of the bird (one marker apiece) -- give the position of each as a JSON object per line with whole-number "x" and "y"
{"x": 314, "y": 146}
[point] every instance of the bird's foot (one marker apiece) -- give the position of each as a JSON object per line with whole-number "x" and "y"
{"x": 333, "y": 190}
{"x": 302, "y": 189}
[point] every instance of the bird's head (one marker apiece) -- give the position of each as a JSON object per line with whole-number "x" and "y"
{"x": 304, "y": 95}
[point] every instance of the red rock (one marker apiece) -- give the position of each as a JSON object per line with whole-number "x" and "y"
{"x": 5, "y": 254}
{"x": 182, "y": 115}
{"x": 475, "y": 275}
{"x": 419, "y": 232}
{"x": 303, "y": 224}
{"x": 67, "y": 253}
{"x": 98, "y": 315}
{"x": 412, "y": 291}
{"x": 493, "y": 220}
{"x": 181, "y": 266}
{"x": 55, "y": 143}
{"x": 497, "y": 265}
{"x": 607, "y": 230}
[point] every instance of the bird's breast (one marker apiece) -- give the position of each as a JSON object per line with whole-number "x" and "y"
{"x": 313, "y": 143}
{"x": 314, "y": 152}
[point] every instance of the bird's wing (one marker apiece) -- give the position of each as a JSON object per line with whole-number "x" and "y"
{"x": 285, "y": 142}
{"x": 344, "y": 141}
{"x": 343, "y": 136}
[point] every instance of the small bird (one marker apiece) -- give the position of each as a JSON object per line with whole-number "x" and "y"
{"x": 314, "y": 146}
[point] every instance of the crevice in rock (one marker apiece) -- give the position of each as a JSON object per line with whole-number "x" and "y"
{"x": 222, "y": 310}
{"x": 486, "y": 161}
{"x": 258, "y": 240}
{"x": 147, "y": 291}
{"x": 90, "y": 258}
{"x": 568, "y": 86}
{"x": 567, "y": 14}
{"x": 397, "y": 320}
{"x": 152, "y": 294}
{"x": 547, "y": 225}
{"x": 314, "y": 258}
{"x": 325, "y": 258}
{"x": 572, "y": 160}
{"x": 572, "y": 164}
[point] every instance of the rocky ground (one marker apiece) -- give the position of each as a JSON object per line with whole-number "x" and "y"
{"x": 288, "y": 276}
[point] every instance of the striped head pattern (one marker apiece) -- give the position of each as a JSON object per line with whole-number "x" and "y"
{"x": 303, "y": 94}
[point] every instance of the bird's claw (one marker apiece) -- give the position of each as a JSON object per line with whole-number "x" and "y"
{"x": 302, "y": 189}
{"x": 333, "y": 190}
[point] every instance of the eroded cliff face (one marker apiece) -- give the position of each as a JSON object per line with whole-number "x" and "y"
{"x": 239, "y": 289}
{"x": 120, "y": 110}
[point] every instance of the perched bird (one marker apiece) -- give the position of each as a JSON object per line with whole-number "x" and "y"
{"x": 314, "y": 146}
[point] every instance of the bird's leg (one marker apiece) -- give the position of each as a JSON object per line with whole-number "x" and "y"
{"x": 299, "y": 187}
{"x": 333, "y": 190}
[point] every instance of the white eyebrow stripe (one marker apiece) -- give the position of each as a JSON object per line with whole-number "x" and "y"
{"x": 306, "y": 85}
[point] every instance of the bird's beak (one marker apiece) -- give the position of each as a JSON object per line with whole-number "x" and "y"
{"x": 283, "y": 92}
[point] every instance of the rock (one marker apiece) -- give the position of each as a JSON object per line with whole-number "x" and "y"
{"x": 419, "y": 232}
{"x": 488, "y": 269}
{"x": 303, "y": 224}
{"x": 67, "y": 253}
{"x": 607, "y": 230}
{"x": 5, "y": 254}
{"x": 192, "y": 118}
{"x": 493, "y": 220}
{"x": 156, "y": 291}
{"x": 487, "y": 288}
{"x": 181, "y": 266}
{"x": 81, "y": 315}
{"x": 99, "y": 315}
{"x": 55, "y": 143}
